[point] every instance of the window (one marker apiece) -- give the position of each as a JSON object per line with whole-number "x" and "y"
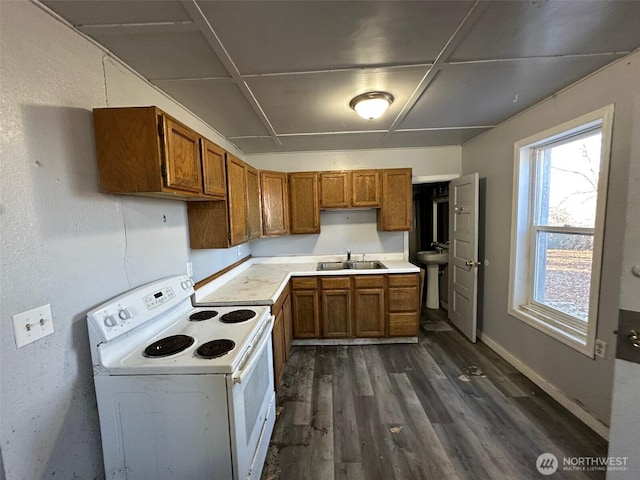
{"x": 558, "y": 216}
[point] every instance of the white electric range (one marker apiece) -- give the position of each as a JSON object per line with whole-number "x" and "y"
{"x": 182, "y": 392}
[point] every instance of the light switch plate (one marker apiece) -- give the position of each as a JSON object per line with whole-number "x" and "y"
{"x": 32, "y": 325}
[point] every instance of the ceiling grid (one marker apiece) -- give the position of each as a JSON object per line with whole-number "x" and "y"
{"x": 279, "y": 76}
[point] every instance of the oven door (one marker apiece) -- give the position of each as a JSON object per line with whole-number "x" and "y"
{"x": 252, "y": 406}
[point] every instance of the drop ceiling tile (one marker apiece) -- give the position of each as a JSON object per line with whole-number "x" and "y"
{"x": 526, "y": 29}
{"x": 432, "y": 138}
{"x": 486, "y": 94}
{"x": 164, "y": 55}
{"x": 331, "y": 142}
{"x": 319, "y": 102}
{"x": 268, "y": 37}
{"x": 218, "y": 103}
{"x": 256, "y": 145}
{"x": 118, "y": 12}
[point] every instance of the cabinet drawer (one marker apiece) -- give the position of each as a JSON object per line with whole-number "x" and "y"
{"x": 330, "y": 283}
{"x": 304, "y": 283}
{"x": 367, "y": 281}
{"x": 408, "y": 280}
{"x": 403, "y": 299}
{"x": 403, "y": 324}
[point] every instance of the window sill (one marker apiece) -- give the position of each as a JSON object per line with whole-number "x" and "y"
{"x": 552, "y": 326}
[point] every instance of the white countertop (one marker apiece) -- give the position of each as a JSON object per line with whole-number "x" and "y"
{"x": 260, "y": 281}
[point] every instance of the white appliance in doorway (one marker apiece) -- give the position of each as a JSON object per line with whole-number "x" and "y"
{"x": 183, "y": 392}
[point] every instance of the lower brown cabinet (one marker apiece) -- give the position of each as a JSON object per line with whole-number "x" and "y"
{"x": 355, "y": 306}
{"x": 335, "y": 296}
{"x": 369, "y": 312}
{"x": 404, "y": 305}
{"x": 281, "y": 334}
{"x": 305, "y": 307}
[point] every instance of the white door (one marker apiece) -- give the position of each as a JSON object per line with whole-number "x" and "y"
{"x": 463, "y": 254}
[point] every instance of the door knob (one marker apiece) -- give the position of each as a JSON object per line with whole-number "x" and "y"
{"x": 471, "y": 263}
{"x": 634, "y": 338}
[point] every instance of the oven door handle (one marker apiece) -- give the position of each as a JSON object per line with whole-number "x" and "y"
{"x": 253, "y": 354}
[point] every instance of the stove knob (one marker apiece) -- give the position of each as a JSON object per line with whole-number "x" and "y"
{"x": 124, "y": 314}
{"x": 186, "y": 284}
{"x": 110, "y": 321}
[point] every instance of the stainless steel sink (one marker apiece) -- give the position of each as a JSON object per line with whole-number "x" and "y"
{"x": 351, "y": 265}
{"x": 330, "y": 266}
{"x": 373, "y": 265}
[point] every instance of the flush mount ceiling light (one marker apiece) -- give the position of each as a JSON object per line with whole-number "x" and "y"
{"x": 371, "y": 105}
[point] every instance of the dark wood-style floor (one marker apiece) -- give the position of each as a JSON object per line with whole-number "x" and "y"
{"x": 441, "y": 409}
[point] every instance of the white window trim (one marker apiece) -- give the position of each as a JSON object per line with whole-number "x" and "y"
{"x": 561, "y": 327}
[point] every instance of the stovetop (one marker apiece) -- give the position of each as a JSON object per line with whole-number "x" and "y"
{"x": 122, "y": 329}
{"x": 189, "y": 361}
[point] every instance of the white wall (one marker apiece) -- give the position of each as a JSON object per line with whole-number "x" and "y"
{"x": 63, "y": 242}
{"x": 352, "y": 229}
{"x": 586, "y": 380}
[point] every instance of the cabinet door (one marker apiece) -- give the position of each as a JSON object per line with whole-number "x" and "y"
{"x": 288, "y": 326}
{"x": 237, "y": 200}
{"x": 278, "y": 347}
{"x": 369, "y": 312}
{"x": 275, "y": 203}
{"x": 253, "y": 203}
{"x": 214, "y": 177}
{"x": 306, "y": 322}
{"x": 336, "y": 307}
{"x": 334, "y": 190}
{"x": 395, "y": 213}
{"x": 365, "y": 188}
{"x": 181, "y": 156}
{"x": 304, "y": 206}
{"x": 336, "y": 313}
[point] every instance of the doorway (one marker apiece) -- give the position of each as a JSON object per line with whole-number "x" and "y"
{"x": 431, "y": 232}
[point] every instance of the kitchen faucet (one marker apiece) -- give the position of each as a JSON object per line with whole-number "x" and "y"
{"x": 348, "y": 255}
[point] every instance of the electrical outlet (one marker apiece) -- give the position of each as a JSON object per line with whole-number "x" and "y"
{"x": 239, "y": 250}
{"x": 189, "y": 269}
{"x": 601, "y": 348}
{"x": 32, "y": 325}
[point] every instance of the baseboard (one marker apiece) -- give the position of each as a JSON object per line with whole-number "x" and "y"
{"x": 583, "y": 415}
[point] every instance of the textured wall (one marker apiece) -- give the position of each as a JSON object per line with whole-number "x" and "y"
{"x": 492, "y": 155}
{"x": 63, "y": 242}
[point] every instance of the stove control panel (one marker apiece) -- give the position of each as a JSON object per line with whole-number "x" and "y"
{"x": 139, "y": 306}
{"x": 158, "y": 298}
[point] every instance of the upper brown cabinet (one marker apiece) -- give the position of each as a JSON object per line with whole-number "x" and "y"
{"x": 395, "y": 212}
{"x": 214, "y": 176}
{"x": 365, "y": 188}
{"x": 253, "y": 203}
{"x": 350, "y": 189}
{"x": 274, "y": 191}
{"x": 334, "y": 190}
{"x": 144, "y": 151}
{"x": 237, "y": 199}
{"x": 222, "y": 224}
{"x": 304, "y": 205}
